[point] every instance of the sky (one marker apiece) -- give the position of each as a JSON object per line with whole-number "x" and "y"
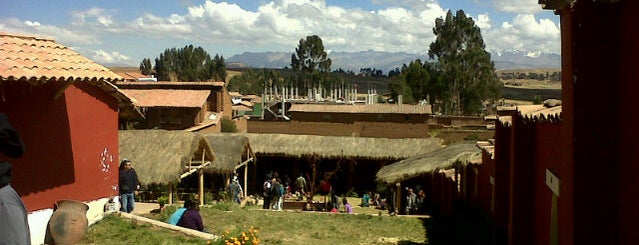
{"x": 119, "y": 32}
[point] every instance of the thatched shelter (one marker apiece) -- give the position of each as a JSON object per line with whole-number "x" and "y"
{"x": 341, "y": 147}
{"x": 161, "y": 156}
{"x": 232, "y": 152}
{"x": 444, "y": 158}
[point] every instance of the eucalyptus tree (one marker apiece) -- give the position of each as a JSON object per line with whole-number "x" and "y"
{"x": 187, "y": 64}
{"x": 311, "y": 59}
{"x": 466, "y": 66}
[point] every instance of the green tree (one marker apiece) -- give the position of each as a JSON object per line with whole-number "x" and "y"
{"x": 311, "y": 59}
{"x": 254, "y": 82}
{"x": 188, "y": 64}
{"x": 466, "y": 66}
{"x": 145, "y": 67}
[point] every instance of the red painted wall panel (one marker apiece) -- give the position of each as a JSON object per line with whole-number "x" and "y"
{"x": 64, "y": 138}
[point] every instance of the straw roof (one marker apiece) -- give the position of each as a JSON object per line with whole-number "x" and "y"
{"x": 229, "y": 151}
{"x": 444, "y": 158}
{"x": 160, "y": 156}
{"x": 338, "y": 147}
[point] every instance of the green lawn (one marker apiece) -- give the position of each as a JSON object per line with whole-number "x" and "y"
{"x": 286, "y": 227}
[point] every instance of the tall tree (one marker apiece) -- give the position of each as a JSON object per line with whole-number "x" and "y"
{"x": 145, "y": 67}
{"x": 460, "y": 53}
{"x": 311, "y": 59}
{"x": 188, "y": 64}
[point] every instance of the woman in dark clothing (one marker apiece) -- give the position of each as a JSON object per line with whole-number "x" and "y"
{"x": 191, "y": 218}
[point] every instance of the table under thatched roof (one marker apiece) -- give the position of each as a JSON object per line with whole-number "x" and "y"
{"x": 443, "y": 158}
{"x": 230, "y": 150}
{"x": 339, "y": 147}
{"x": 160, "y": 156}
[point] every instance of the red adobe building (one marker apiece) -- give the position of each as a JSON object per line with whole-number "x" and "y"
{"x": 66, "y": 111}
{"x": 574, "y": 180}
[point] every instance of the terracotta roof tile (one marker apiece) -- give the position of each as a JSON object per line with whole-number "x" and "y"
{"x": 32, "y": 58}
{"x": 168, "y": 97}
{"x": 374, "y": 108}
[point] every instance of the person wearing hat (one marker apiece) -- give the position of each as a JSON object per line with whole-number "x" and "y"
{"x": 129, "y": 186}
{"x": 14, "y": 225}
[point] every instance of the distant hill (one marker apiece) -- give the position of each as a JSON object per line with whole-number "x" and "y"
{"x": 386, "y": 61}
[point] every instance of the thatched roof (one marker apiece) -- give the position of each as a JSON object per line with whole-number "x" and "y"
{"x": 338, "y": 147}
{"x": 160, "y": 156}
{"x": 440, "y": 159}
{"x": 230, "y": 150}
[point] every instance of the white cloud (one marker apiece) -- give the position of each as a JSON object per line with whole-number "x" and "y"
{"x": 483, "y": 21}
{"x": 525, "y": 33}
{"x": 397, "y": 26}
{"x": 66, "y": 36}
{"x": 517, "y": 6}
{"x": 104, "y": 57}
{"x": 32, "y": 23}
{"x": 94, "y": 14}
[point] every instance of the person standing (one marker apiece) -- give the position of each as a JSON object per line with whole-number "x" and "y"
{"x": 235, "y": 190}
{"x": 129, "y": 186}
{"x": 411, "y": 198}
{"x": 14, "y": 225}
{"x": 300, "y": 186}
{"x": 267, "y": 193}
{"x": 277, "y": 193}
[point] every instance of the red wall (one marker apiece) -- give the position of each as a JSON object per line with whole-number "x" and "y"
{"x": 65, "y": 139}
{"x": 547, "y": 149}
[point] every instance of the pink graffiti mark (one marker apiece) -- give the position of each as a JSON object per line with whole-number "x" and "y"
{"x": 106, "y": 159}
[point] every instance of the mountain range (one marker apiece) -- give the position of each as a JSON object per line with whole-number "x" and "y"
{"x": 386, "y": 61}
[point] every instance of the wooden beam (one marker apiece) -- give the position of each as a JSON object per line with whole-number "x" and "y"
{"x": 186, "y": 231}
{"x": 64, "y": 87}
{"x": 243, "y": 163}
{"x": 193, "y": 169}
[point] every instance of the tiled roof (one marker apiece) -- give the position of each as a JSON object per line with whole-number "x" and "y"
{"x": 28, "y": 58}
{"x": 374, "y": 108}
{"x": 167, "y": 84}
{"x": 168, "y": 98}
{"x": 132, "y": 75}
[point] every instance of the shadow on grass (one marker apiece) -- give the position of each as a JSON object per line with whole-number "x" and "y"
{"x": 467, "y": 225}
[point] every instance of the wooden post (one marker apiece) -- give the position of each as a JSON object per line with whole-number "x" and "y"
{"x": 246, "y": 169}
{"x": 201, "y": 173}
{"x": 398, "y": 198}
{"x": 170, "y": 193}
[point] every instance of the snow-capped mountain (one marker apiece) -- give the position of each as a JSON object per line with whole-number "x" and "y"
{"x": 386, "y": 61}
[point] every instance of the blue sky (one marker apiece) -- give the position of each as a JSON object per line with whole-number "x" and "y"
{"x": 119, "y": 32}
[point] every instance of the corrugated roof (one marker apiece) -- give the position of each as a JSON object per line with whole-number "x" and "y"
{"x": 30, "y": 58}
{"x": 374, "y": 108}
{"x": 168, "y": 97}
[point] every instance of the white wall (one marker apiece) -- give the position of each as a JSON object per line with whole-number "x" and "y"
{"x": 39, "y": 219}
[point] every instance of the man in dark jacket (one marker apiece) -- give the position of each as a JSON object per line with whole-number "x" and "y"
{"x": 129, "y": 186}
{"x": 14, "y": 226}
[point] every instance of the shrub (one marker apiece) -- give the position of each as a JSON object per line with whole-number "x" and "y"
{"x": 228, "y": 125}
